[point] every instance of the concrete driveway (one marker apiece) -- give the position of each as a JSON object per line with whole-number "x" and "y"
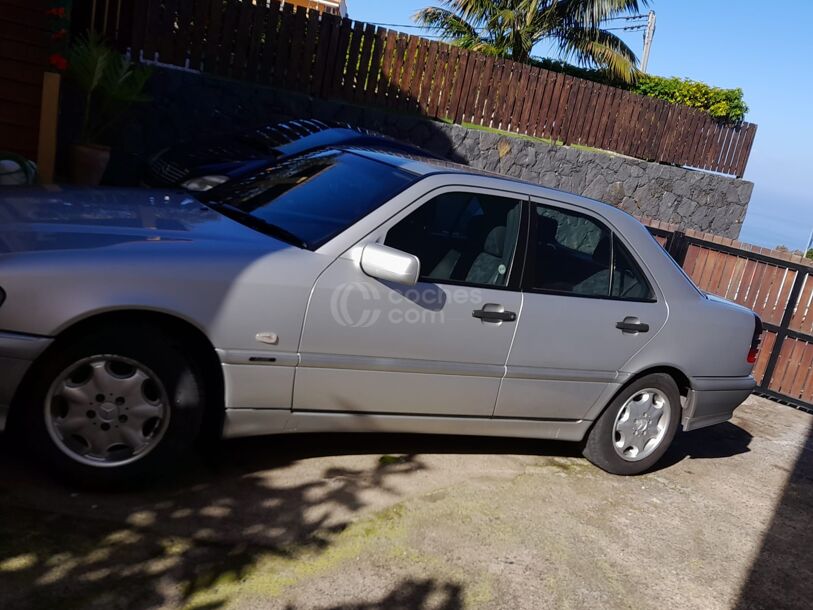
{"x": 406, "y": 522}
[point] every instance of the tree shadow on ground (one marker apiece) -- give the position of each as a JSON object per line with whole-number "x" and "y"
{"x": 161, "y": 544}
{"x": 411, "y": 595}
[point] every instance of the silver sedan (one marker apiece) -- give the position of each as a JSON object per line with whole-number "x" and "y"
{"x": 351, "y": 290}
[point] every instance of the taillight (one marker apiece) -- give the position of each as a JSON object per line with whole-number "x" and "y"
{"x": 753, "y": 352}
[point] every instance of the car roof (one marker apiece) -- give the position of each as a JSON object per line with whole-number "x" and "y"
{"x": 426, "y": 166}
{"x": 416, "y": 164}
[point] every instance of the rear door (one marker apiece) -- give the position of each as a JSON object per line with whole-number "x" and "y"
{"x": 588, "y": 307}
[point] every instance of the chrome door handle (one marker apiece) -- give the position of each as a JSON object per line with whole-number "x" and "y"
{"x": 631, "y": 324}
{"x": 492, "y": 312}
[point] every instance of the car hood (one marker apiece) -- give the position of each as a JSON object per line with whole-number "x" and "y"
{"x": 71, "y": 218}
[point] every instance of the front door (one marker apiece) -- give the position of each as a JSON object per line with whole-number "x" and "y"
{"x": 588, "y": 308}
{"x": 436, "y": 348}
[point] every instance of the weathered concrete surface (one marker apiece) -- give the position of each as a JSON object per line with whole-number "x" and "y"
{"x": 189, "y": 104}
{"x": 383, "y": 522}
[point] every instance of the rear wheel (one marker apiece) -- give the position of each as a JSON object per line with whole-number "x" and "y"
{"x": 114, "y": 405}
{"x": 637, "y": 427}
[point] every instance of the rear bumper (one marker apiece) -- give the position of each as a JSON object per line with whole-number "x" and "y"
{"x": 712, "y": 400}
{"x": 17, "y": 353}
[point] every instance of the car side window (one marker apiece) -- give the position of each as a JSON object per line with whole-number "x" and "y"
{"x": 578, "y": 255}
{"x": 629, "y": 282}
{"x": 460, "y": 237}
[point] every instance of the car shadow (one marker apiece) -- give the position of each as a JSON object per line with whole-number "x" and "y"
{"x": 715, "y": 442}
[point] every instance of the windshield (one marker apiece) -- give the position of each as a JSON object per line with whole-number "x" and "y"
{"x": 314, "y": 197}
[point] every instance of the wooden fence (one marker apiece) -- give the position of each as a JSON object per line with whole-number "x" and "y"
{"x": 329, "y": 57}
{"x": 777, "y": 285}
{"x": 23, "y": 60}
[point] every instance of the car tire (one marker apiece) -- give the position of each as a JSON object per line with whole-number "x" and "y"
{"x": 113, "y": 406}
{"x": 637, "y": 427}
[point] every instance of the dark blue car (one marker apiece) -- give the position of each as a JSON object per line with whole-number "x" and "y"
{"x": 204, "y": 164}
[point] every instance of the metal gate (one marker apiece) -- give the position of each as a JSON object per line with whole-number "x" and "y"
{"x": 780, "y": 291}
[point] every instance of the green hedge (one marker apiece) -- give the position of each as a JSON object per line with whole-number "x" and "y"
{"x": 724, "y": 104}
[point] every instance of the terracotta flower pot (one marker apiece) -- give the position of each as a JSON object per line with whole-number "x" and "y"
{"x": 88, "y": 163}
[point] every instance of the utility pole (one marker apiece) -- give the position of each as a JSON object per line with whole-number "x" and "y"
{"x": 648, "y": 36}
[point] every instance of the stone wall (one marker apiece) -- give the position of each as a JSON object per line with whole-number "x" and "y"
{"x": 186, "y": 105}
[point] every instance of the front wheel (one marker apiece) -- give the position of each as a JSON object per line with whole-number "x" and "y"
{"x": 637, "y": 427}
{"x": 114, "y": 405}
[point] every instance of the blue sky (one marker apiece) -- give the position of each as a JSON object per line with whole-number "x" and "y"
{"x": 763, "y": 48}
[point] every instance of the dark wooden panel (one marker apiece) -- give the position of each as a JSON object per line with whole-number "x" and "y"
{"x": 353, "y": 58}
{"x": 294, "y": 77}
{"x": 31, "y": 35}
{"x": 363, "y": 76}
{"x": 745, "y": 153}
{"x": 428, "y": 81}
{"x": 21, "y": 93}
{"x": 417, "y": 76}
{"x": 545, "y": 101}
{"x": 309, "y": 51}
{"x": 388, "y": 56}
{"x": 19, "y": 114}
{"x": 24, "y": 15}
{"x": 475, "y": 90}
{"x": 165, "y": 31}
{"x": 18, "y": 134}
{"x": 405, "y": 99}
{"x": 22, "y": 52}
{"x": 328, "y": 39}
{"x": 282, "y": 53}
{"x": 16, "y": 73}
{"x": 457, "y": 107}
{"x": 374, "y": 77}
{"x": 242, "y": 40}
{"x": 452, "y": 60}
{"x": 394, "y": 93}
{"x": 255, "y": 43}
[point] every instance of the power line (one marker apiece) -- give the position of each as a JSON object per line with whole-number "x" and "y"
{"x": 399, "y": 25}
{"x": 627, "y": 17}
{"x": 434, "y": 27}
{"x": 629, "y": 28}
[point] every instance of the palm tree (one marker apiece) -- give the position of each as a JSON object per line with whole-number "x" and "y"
{"x": 511, "y": 28}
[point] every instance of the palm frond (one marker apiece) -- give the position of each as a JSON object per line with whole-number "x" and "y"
{"x": 447, "y": 23}
{"x": 600, "y": 49}
{"x": 88, "y": 61}
{"x": 592, "y": 13}
{"x": 511, "y": 28}
{"x": 109, "y": 82}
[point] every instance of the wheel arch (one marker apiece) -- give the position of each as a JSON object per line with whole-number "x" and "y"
{"x": 681, "y": 379}
{"x": 201, "y": 348}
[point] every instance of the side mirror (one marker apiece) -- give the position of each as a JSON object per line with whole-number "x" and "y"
{"x": 385, "y": 263}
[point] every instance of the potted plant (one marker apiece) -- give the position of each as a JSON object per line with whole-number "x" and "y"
{"x": 110, "y": 84}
